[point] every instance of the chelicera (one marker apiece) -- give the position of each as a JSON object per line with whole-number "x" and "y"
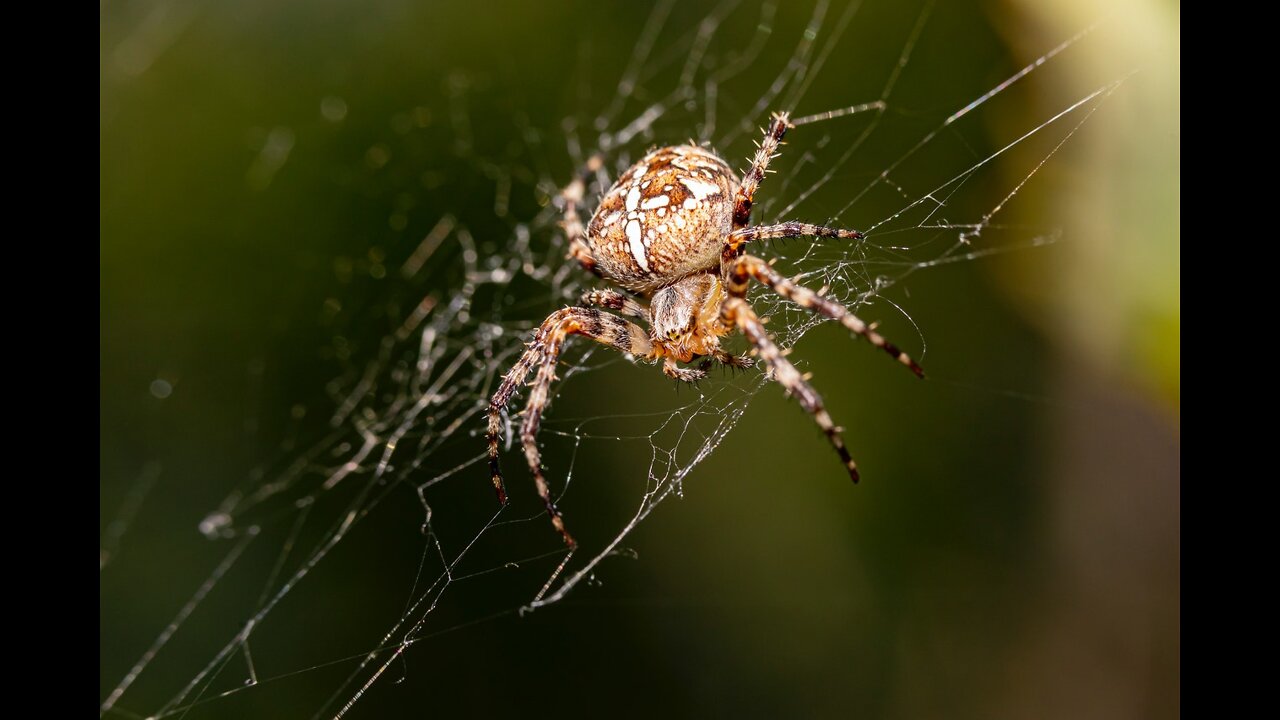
{"x": 671, "y": 232}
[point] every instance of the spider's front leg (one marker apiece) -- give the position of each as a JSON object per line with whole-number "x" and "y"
{"x": 766, "y": 151}
{"x": 544, "y": 352}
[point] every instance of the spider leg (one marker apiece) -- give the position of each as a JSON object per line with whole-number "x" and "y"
{"x": 765, "y": 151}
{"x": 544, "y": 352}
{"x": 748, "y": 266}
{"x": 615, "y": 300}
{"x": 572, "y": 196}
{"x": 737, "y": 312}
{"x": 786, "y": 230}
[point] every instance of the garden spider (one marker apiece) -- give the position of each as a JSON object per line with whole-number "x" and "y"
{"x": 671, "y": 231}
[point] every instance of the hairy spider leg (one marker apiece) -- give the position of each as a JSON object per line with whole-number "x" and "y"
{"x": 737, "y": 312}
{"x": 765, "y": 151}
{"x": 544, "y": 351}
{"x": 572, "y": 196}
{"x": 792, "y": 229}
{"x": 749, "y": 266}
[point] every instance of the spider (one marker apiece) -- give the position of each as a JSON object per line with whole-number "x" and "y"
{"x": 671, "y": 231}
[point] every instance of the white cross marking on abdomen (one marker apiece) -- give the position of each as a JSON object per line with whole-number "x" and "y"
{"x": 637, "y": 247}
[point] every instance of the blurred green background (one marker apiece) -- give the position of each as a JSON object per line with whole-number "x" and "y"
{"x": 1013, "y": 552}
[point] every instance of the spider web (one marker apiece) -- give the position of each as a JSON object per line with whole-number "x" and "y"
{"x": 396, "y": 452}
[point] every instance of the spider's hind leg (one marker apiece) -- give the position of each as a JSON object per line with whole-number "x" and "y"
{"x": 572, "y": 197}
{"x": 544, "y": 352}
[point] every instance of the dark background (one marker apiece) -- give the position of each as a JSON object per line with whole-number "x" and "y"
{"x": 1014, "y": 550}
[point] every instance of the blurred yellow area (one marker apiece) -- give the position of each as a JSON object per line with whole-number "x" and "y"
{"x": 1110, "y": 290}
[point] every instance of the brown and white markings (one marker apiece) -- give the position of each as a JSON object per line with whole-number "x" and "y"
{"x": 671, "y": 231}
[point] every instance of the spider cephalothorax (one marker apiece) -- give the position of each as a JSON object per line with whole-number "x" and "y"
{"x": 671, "y": 231}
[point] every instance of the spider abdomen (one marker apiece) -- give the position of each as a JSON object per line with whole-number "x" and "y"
{"x": 665, "y": 218}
